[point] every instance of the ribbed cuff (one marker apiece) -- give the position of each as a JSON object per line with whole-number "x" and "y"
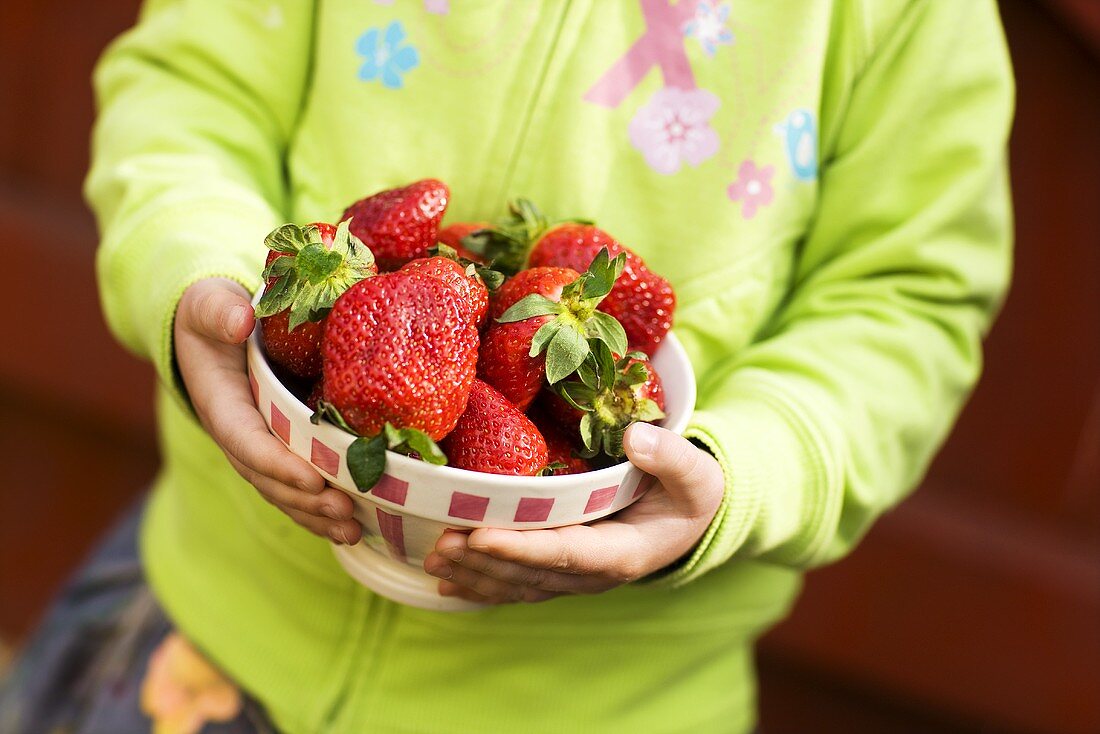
{"x": 144, "y": 276}
{"x": 780, "y": 498}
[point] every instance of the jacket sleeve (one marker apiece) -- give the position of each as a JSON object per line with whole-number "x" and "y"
{"x": 835, "y": 410}
{"x": 196, "y": 106}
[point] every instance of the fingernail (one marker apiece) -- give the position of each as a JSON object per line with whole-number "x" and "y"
{"x": 455, "y": 554}
{"x": 440, "y": 570}
{"x": 234, "y": 321}
{"x": 330, "y": 511}
{"x": 643, "y": 439}
{"x": 338, "y": 536}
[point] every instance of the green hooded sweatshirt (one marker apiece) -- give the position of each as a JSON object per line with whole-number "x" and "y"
{"x": 823, "y": 182}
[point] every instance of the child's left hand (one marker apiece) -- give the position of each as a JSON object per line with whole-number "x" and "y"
{"x": 499, "y": 566}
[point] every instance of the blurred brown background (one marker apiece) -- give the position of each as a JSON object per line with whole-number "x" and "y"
{"x": 973, "y": 607}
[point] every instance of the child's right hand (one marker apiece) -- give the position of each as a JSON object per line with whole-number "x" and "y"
{"x": 212, "y": 322}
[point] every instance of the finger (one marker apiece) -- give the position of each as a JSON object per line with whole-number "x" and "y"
{"x": 330, "y": 503}
{"x": 490, "y": 588}
{"x": 519, "y": 574}
{"x": 609, "y": 550}
{"x": 448, "y": 588}
{"x": 342, "y": 532}
{"x": 679, "y": 464}
{"x": 235, "y": 424}
{"x": 218, "y": 309}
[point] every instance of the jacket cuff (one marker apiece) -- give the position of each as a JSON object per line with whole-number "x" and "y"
{"x": 779, "y": 499}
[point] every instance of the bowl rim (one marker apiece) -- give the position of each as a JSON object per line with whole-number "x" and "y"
{"x": 611, "y": 473}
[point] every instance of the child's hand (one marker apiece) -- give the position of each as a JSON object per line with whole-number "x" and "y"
{"x": 535, "y": 565}
{"x": 213, "y": 320}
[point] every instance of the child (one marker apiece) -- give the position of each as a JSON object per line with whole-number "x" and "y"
{"x": 823, "y": 183}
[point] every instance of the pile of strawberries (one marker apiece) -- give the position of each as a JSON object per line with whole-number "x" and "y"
{"x": 521, "y": 347}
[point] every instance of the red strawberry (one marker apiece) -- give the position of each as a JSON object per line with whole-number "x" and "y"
{"x": 398, "y": 349}
{"x": 463, "y": 279}
{"x": 316, "y": 395}
{"x": 504, "y": 360}
{"x": 293, "y": 340}
{"x": 494, "y": 437}
{"x": 560, "y": 447}
{"x": 547, "y": 282}
{"x": 602, "y": 404}
{"x": 511, "y": 358}
{"x": 400, "y": 224}
{"x": 641, "y": 300}
{"x": 452, "y": 235}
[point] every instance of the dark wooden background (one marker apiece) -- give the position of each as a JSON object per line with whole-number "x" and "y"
{"x": 974, "y": 607}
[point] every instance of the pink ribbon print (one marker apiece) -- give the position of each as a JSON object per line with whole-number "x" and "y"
{"x": 673, "y": 127}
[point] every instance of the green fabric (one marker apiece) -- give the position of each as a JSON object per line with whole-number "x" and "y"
{"x": 835, "y": 328}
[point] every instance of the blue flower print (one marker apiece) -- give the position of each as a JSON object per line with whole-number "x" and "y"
{"x": 385, "y": 58}
{"x": 799, "y": 133}
{"x": 708, "y": 26}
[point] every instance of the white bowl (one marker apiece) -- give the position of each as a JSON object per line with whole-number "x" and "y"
{"x": 406, "y": 512}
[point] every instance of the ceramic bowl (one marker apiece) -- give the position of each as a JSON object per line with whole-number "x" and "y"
{"x": 414, "y": 502}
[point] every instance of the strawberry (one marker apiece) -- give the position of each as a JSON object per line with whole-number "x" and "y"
{"x": 505, "y": 362}
{"x": 606, "y": 398}
{"x": 492, "y": 436}
{"x": 399, "y": 356}
{"x": 547, "y": 282}
{"x": 642, "y": 301}
{"x": 400, "y": 224}
{"x": 453, "y": 234}
{"x": 472, "y": 281}
{"x": 316, "y": 395}
{"x": 560, "y": 447}
{"x": 306, "y": 269}
{"x": 511, "y": 358}
{"x": 398, "y": 348}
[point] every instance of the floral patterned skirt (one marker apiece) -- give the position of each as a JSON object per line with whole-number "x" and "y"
{"x": 106, "y": 660}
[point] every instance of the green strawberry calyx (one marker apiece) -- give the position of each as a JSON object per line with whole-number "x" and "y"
{"x": 310, "y": 276}
{"x": 610, "y": 393}
{"x": 492, "y": 279}
{"x": 366, "y": 456}
{"x": 508, "y": 243}
{"x": 576, "y": 324}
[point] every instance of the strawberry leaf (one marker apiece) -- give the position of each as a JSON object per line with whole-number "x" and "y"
{"x": 316, "y": 263}
{"x": 647, "y": 411}
{"x": 366, "y": 461}
{"x": 565, "y": 353}
{"x": 613, "y": 441}
{"x": 607, "y": 328}
{"x": 577, "y": 394}
{"x": 278, "y": 296}
{"x": 588, "y": 436}
{"x": 549, "y": 469}
{"x": 288, "y": 238}
{"x": 492, "y": 279}
{"x": 423, "y": 445}
{"x": 329, "y": 412}
{"x": 604, "y": 363}
{"x": 530, "y": 306}
{"x": 413, "y": 440}
{"x": 544, "y": 336}
{"x": 587, "y": 371}
{"x": 279, "y": 267}
{"x": 635, "y": 374}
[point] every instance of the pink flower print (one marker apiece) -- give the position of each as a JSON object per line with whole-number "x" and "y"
{"x": 708, "y": 26}
{"x": 753, "y": 188}
{"x": 673, "y": 127}
{"x": 438, "y": 7}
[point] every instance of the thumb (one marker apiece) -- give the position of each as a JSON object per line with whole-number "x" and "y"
{"x": 682, "y": 468}
{"x": 218, "y": 309}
